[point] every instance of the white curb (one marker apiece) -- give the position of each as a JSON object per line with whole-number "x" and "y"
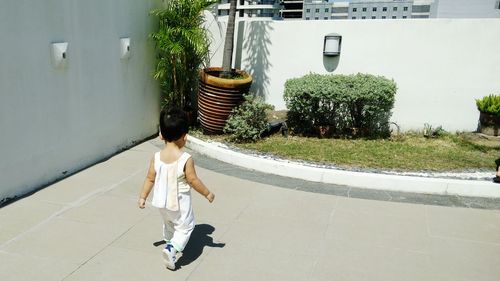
{"x": 472, "y": 188}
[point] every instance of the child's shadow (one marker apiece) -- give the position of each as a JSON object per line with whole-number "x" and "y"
{"x": 194, "y": 248}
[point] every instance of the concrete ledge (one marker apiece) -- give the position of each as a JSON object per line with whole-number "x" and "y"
{"x": 413, "y": 184}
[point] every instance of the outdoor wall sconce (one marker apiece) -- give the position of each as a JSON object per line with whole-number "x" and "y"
{"x": 59, "y": 53}
{"x": 331, "y": 46}
{"x": 124, "y": 48}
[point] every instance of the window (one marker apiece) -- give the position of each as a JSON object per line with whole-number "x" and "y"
{"x": 374, "y": 9}
{"x": 308, "y": 10}
{"x": 404, "y": 17}
{"x": 421, "y": 8}
{"x": 354, "y": 9}
{"x": 316, "y": 18}
{"x": 393, "y": 17}
{"x": 374, "y": 17}
{"x": 384, "y": 9}
{"x": 364, "y": 9}
{"x": 353, "y": 18}
{"x": 394, "y": 8}
{"x": 326, "y": 10}
{"x": 405, "y": 9}
{"x": 307, "y": 18}
{"x": 340, "y": 10}
{"x": 363, "y": 18}
{"x": 317, "y": 10}
{"x": 383, "y": 17}
{"x": 325, "y": 18}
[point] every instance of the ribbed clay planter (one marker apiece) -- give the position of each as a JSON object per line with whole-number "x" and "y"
{"x": 489, "y": 124}
{"x": 218, "y": 96}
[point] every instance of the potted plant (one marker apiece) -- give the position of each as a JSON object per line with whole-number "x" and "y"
{"x": 489, "y": 114}
{"x": 222, "y": 88}
{"x": 182, "y": 45}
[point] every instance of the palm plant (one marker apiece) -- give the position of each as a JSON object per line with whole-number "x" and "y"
{"x": 227, "y": 58}
{"x": 183, "y": 46}
{"x": 222, "y": 88}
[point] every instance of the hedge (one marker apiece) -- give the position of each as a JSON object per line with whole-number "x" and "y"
{"x": 346, "y": 105}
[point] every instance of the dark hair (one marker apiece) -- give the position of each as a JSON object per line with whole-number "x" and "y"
{"x": 173, "y": 124}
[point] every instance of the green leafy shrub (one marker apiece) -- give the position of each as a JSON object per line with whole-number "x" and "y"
{"x": 431, "y": 132}
{"x": 357, "y": 104}
{"x": 248, "y": 121}
{"x": 489, "y": 104}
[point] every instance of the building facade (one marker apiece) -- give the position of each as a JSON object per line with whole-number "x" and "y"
{"x": 362, "y": 9}
{"x": 252, "y": 8}
{"x": 399, "y": 9}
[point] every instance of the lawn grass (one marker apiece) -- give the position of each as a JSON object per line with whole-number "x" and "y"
{"x": 408, "y": 152}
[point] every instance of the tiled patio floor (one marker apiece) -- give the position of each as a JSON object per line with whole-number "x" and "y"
{"x": 88, "y": 227}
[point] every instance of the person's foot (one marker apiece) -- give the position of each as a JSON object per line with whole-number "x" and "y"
{"x": 169, "y": 256}
{"x": 496, "y": 179}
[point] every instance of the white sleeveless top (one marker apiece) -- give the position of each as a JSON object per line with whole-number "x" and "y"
{"x": 170, "y": 180}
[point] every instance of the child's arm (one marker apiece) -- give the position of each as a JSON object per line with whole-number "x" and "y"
{"x": 148, "y": 184}
{"x": 193, "y": 180}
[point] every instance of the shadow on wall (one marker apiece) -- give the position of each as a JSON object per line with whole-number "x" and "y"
{"x": 257, "y": 60}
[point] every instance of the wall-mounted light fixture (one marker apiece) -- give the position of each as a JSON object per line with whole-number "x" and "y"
{"x": 124, "y": 48}
{"x": 331, "y": 45}
{"x": 59, "y": 53}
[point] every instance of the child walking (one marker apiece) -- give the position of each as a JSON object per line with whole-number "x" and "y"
{"x": 171, "y": 175}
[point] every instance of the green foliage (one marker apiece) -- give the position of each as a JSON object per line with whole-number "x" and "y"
{"x": 182, "y": 46}
{"x": 248, "y": 121}
{"x": 357, "y": 104}
{"x": 431, "y": 132}
{"x": 489, "y": 104}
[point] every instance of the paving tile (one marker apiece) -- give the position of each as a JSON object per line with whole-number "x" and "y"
{"x": 15, "y": 267}
{"x": 130, "y": 188}
{"x": 458, "y": 260}
{"x": 275, "y": 233}
{"x": 114, "y": 264}
{"x": 384, "y": 208}
{"x": 22, "y": 215}
{"x": 463, "y": 223}
{"x": 106, "y": 210}
{"x": 252, "y": 264}
{"x": 341, "y": 261}
{"x": 232, "y": 197}
{"x": 75, "y": 242}
{"x": 142, "y": 235}
{"x": 382, "y": 224}
{"x": 72, "y": 188}
{"x": 302, "y": 206}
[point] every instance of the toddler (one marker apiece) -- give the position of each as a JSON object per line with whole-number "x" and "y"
{"x": 171, "y": 175}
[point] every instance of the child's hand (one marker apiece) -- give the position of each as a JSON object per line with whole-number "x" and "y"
{"x": 210, "y": 197}
{"x": 142, "y": 203}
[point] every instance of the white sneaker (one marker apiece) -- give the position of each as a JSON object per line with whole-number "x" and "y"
{"x": 169, "y": 256}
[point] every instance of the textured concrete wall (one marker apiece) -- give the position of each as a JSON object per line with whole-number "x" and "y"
{"x": 57, "y": 120}
{"x": 440, "y": 65}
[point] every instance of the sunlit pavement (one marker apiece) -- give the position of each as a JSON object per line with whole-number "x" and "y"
{"x": 260, "y": 227}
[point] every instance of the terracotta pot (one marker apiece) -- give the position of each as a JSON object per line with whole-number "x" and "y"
{"x": 218, "y": 96}
{"x": 489, "y": 124}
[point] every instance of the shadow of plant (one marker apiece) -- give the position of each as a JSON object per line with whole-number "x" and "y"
{"x": 257, "y": 63}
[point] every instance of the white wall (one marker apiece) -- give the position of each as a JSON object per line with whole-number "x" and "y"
{"x": 55, "y": 121}
{"x": 440, "y": 65}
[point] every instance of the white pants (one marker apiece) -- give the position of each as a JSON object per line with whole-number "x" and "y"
{"x": 178, "y": 225}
